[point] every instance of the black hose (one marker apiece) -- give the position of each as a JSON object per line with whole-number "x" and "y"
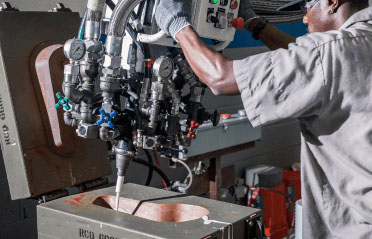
{"x": 141, "y": 6}
{"x": 159, "y": 171}
{"x": 148, "y": 13}
{"x": 110, "y": 4}
{"x": 151, "y": 170}
{"x": 144, "y": 47}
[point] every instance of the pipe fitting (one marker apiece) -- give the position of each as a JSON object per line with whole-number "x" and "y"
{"x": 107, "y": 134}
{"x": 113, "y": 45}
{"x": 69, "y": 120}
{"x": 92, "y": 30}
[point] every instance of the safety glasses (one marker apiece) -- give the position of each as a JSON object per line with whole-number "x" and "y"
{"x": 310, "y": 4}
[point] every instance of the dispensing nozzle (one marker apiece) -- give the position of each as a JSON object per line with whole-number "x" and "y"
{"x": 123, "y": 159}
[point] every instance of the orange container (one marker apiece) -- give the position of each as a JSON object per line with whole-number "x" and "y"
{"x": 275, "y": 211}
{"x": 292, "y": 181}
{"x": 272, "y": 201}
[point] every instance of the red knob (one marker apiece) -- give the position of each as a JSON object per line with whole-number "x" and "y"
{"x": 234, "y": 4}
{"x": 238, "y": 23}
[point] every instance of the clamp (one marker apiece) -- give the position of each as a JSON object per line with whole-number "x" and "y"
{"x": 62, "y": 101}
{"x": 107, "y": 118}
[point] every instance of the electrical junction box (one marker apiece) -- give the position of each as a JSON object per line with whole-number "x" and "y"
{"x": 211, "y": 19}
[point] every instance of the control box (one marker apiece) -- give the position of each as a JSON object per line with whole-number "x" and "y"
{"x": 213, "y": 19}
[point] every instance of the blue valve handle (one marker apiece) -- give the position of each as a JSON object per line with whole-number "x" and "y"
{"x": 62, "y": 101}
{"x": 107, "y": 118}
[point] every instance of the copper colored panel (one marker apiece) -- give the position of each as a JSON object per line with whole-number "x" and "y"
{"x": 45, "y": 69}
{"x": 154, "y": 212}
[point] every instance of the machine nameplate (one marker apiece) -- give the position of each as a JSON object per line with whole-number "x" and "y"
{"x": 6, "y": 134}
{"x": 83, "y": 233}
{"x": 4, "y": 127}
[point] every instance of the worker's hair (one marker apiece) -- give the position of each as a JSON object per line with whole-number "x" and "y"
{"x": 359, "y": 3}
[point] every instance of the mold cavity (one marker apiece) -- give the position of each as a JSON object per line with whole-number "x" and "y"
{"x": 155, "y": 212}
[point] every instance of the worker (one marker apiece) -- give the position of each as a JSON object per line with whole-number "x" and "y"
{"x": 325, "y": 80}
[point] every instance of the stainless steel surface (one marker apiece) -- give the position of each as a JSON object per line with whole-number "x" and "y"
{"x": 77, "y": 217}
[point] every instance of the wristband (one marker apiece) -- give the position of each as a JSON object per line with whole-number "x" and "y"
{"x": 259, "y": 27}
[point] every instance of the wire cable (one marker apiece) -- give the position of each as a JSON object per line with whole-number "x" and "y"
{"x": 268, "y": 10}
{"x": 190, "y": 176}
{"x": 158, "y": 165}
{"x": 158, "y": 170}
{"x": 151, "y": 170}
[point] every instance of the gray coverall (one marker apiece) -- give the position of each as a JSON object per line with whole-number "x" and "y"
{"x": 324, "y": 80}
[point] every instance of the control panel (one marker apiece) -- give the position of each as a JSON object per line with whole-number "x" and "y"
{"x": 215, "y": 19}
{"x": 212, "y": 19}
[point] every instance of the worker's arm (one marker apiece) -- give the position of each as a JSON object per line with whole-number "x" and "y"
{"x": 271, "y": 36}
{"x": 211, "y": 67}
{"x": 214, "y": 69}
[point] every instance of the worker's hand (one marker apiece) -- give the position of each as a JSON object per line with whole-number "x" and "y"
{"x": 173, "y": 15}
{"x": 246, "y": 12}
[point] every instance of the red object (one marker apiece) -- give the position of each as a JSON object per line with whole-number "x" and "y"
{"x": 238, "y": 23}
{"x": 149, "y": 62}
{"x": 275, "y": 212}
{"x": 193, "y": 126}
{"x": 225, "y": 116}
{"x": 292, "y": 181}
{"x": 158, "y": 165}
{"x": 272, "y": 201}
{"x": 234, "y": 4}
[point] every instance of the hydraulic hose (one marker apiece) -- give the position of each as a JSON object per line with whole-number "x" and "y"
{"x": 110, "y": 4}
{"x": 148, "y": 13}
{"x": 151, "y": 170}
{"x": 94, "y": 10}
{"x": 268, "y": 10}
{"x": 159, "y": 171}
{"x": 120, "y": 17}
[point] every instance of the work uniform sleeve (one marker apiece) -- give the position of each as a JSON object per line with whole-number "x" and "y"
{"x": 282, "y": 84}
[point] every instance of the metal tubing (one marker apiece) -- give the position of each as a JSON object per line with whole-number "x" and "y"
{"x": 69, "y": 120}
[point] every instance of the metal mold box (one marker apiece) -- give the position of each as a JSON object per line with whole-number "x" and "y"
{"x": 34, "y": 164}
{"x": 77, "y": 217}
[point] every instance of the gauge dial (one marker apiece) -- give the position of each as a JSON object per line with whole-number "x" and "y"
{"x": 75, "y": 49}
{"x": 163, "y": 67}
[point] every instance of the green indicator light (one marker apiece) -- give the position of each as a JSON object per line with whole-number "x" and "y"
{"x": 215, "y": 1}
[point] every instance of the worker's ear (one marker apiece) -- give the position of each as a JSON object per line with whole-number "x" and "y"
{"x": 333, "y": 5}
{"x": 305, "y": 20}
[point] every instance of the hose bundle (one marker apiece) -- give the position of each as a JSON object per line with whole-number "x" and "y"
{"x": 268, "y": 10}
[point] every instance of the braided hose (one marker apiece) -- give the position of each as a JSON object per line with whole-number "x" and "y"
{"x": 120, "y": 17}
{"x": 95, "y": 9}
{"x": 268, "y": 10}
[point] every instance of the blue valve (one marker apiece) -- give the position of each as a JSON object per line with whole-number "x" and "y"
{"x": 62, "y": 101}
{"x": 107, "y": 118}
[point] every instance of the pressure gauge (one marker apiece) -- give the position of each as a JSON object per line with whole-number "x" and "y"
{"x": 75, "y": 49}
{"x": 163, "y": 67}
